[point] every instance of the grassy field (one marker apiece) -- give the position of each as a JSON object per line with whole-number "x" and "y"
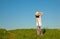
{"x": 29, "y": 34}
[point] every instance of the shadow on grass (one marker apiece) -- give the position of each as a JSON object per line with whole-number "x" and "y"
{"x": 44, "y": 30}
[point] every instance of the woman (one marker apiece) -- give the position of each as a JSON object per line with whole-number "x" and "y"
{"x": 38, "y": 23}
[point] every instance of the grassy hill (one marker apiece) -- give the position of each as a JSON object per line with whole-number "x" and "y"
{"x": 29, "y": 34}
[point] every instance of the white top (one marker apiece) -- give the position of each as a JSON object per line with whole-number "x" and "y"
{"x": 38, "y": 21}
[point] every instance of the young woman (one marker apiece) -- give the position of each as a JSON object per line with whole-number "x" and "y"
{"x": 38, "y": 23}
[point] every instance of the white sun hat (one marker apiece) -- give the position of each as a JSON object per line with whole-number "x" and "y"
{"x": 38, "y": 13}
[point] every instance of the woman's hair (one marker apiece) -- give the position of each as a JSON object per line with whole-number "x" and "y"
{"x": 37, "y": 16}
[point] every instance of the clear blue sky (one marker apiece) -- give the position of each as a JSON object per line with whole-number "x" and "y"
{"x": 16, "y": 14}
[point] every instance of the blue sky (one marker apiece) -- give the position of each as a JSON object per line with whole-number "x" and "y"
{"x": 16, "y": 14}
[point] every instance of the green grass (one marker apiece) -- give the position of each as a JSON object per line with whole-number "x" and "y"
{"x": 3, "y": 34}
{"x": 29, "y": 34}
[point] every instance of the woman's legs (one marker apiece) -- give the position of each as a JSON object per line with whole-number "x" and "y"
{"x": 39, "y": 30}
